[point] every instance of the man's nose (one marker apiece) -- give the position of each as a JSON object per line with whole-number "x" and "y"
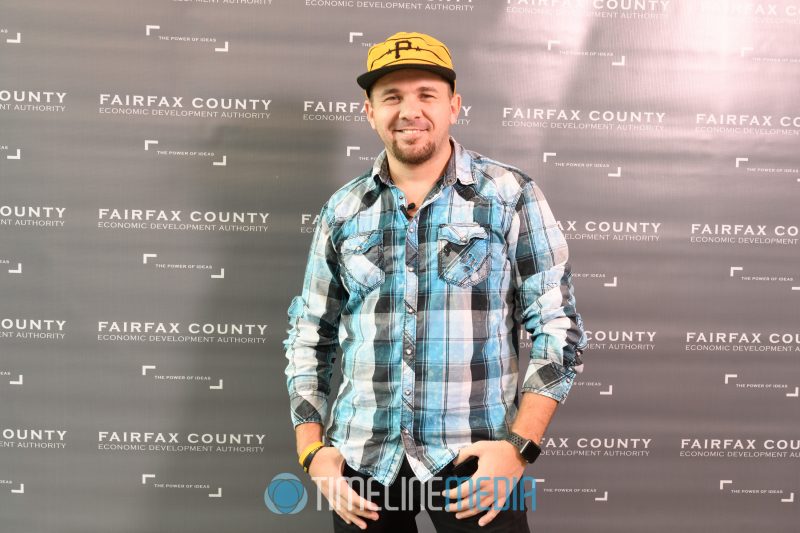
{"x": 410, "y": 108}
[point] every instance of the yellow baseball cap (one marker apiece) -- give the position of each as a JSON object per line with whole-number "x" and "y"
{"x": 407, "y": 50}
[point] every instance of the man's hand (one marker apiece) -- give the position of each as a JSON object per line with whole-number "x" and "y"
{"x": 326, "y": 471}
{"x": 496, "y": 459}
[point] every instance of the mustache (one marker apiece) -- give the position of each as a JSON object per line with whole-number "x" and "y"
{"x": 415, "y": 125}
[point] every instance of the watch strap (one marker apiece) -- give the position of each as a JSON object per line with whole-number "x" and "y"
{"x": 528, "y": 449}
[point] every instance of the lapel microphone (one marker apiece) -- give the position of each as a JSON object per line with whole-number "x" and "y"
{"x": 412, "y": 205}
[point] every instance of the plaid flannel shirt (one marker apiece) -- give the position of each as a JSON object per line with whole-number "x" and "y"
{"x": 427, "y": 314}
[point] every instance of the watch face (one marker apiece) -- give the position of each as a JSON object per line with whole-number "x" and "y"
{"x": 529, "y": 451}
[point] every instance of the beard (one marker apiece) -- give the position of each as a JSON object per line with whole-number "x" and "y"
{"x": 414, "y": 154}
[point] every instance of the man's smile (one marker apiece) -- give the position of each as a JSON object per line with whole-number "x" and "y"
{"x": 412, "y": 127}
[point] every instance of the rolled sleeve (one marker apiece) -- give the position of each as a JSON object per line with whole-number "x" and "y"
{"x": 313, "y": 333}
{"x": 545, "y": 301}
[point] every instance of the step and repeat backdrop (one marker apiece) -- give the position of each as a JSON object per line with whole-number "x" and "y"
{"x": 162, "y": 165}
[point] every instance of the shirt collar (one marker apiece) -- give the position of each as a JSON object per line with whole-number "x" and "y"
{"x": 459, "y": 167}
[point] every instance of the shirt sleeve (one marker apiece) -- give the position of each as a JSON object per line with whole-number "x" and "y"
{"x": 545, "y": 303}
{"x": 313, "y": 333}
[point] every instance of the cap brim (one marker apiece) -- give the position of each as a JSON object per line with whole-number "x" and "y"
{"x": 368, "y": 79}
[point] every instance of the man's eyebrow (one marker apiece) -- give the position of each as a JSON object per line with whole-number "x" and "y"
{"x": 389, "y": 90}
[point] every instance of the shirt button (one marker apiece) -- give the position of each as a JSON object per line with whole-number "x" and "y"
{"x": 407, "y": 392}
{"x": 408, "y": 351}
{"x": 411, "y": 269}
{"x": 411, "y": 230}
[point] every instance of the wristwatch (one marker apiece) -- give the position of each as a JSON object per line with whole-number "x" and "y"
{"x": 528, "y": 449}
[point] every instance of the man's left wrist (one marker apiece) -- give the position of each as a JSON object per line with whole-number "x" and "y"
{"x": 527, "y": 449}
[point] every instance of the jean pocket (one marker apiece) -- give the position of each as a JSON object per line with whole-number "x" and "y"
{"x": 463, "y": 254}
{"x": 362, "y": 261}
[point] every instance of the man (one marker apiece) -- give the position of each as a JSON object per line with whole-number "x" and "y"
{"x": 421, "y": 271}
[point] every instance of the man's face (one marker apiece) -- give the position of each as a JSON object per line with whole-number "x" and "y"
{"x": 412, "y": 110}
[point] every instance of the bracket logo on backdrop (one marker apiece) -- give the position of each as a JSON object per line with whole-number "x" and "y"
{"x": 735, "y": 351}
{"x": 745, "y": 162}
{"x": 775, "y": 275}
{"x": 737, "y": 447}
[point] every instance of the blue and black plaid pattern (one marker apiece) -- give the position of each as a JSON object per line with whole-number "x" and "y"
{"x": 426, "y": 312}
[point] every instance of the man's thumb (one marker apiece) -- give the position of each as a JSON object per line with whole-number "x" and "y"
{"x": 465, "y": 452}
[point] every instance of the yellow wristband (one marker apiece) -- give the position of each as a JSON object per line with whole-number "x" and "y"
{"x": 310, "y": 448}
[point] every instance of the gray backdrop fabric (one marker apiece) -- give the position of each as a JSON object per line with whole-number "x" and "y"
{"x": 162, "y": 163}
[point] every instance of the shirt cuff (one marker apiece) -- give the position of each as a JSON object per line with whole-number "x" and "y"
{"x": 308, "y": 407}
{"x": 549, "y": 379}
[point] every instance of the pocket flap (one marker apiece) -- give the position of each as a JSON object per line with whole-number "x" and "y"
{"x": 461, "y": 233}
{"x": 361, "y": 242}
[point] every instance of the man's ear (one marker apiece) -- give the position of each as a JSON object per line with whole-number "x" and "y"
{"x": 455, "y": 107}
{"x": 370, "y": 113}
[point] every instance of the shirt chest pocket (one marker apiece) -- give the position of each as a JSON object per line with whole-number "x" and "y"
{"x": 463, "y": 254}
{"x": 362, "y": 261}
